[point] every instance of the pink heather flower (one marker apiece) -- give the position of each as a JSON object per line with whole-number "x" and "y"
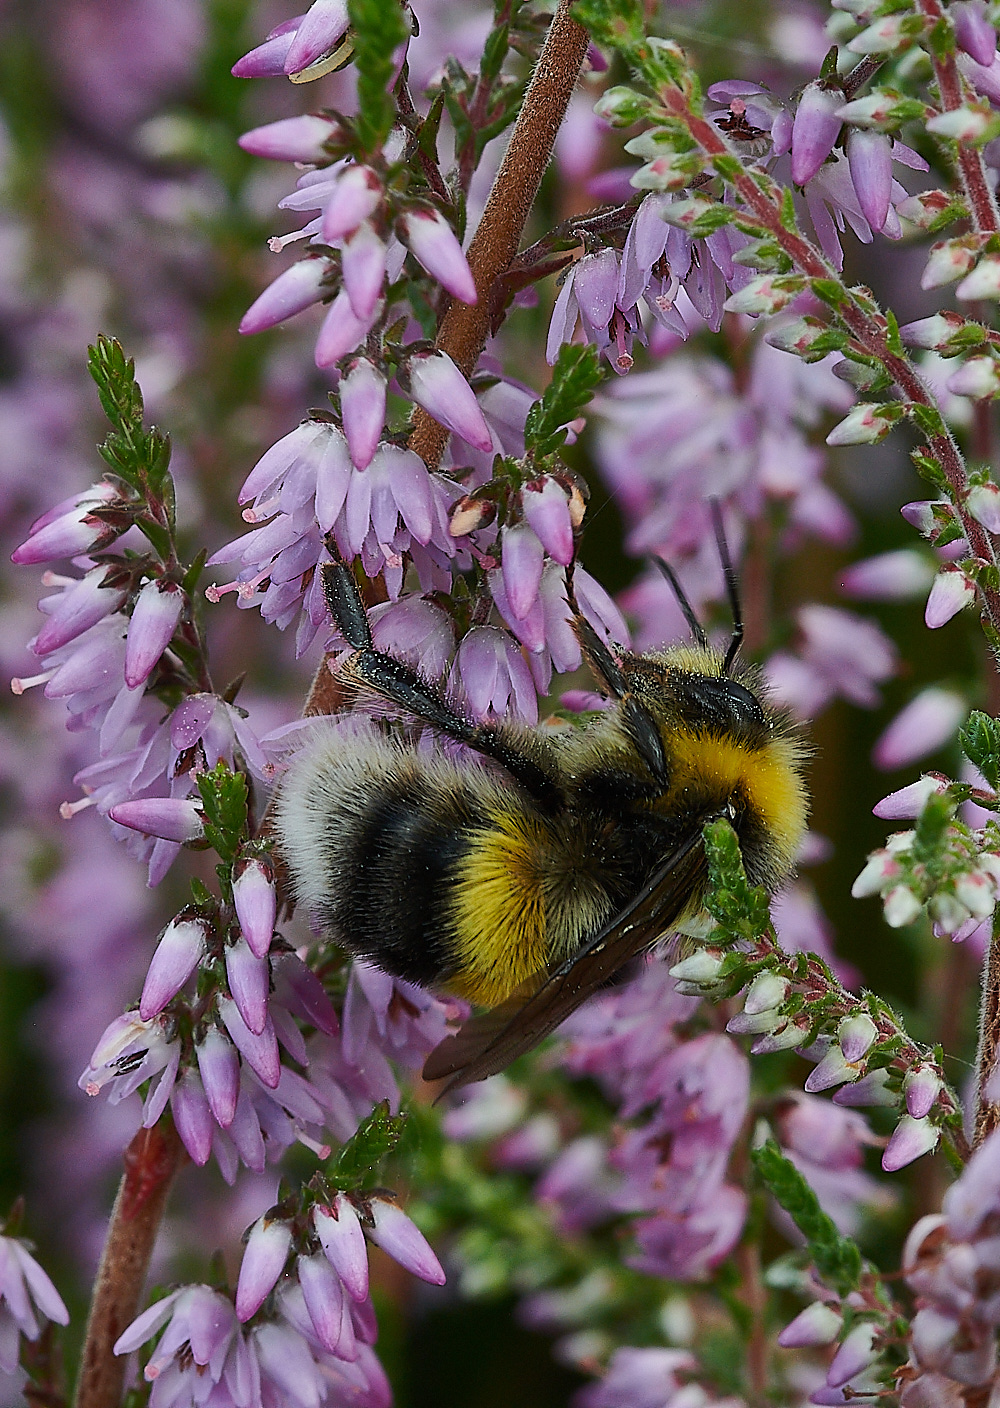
{"x": 950, "y": 593}
{"x": 258, "y": 1049}
{"x": 219, "y": 1067}
{"x": 439, "y": 387}
{"x": 255, "y": 899}
{"x": 323, "y": 1293}
{"x": 299, "y": 139}
{"x": 909, "y": 801}
{"x": 841, "y": 654}
{"x": 201, "y": 1345}
{"x": 129, "y": 1053}
{"x": 399, "y": 1236}
{"x": 157, "y": 611}
{"x": 920, "y": 1087}
{"x": 827, "y": 1145}
{"x": 398, "y": 1018}
{"x": 263, "y": 1262}
{"x": 415, "y": 630}
{"x": 493, "y": 676}
{"x": 546, "y": 510}
{"x": 818, "y": 1324}
{"x": 342, "y": 330}
{"x": 933, "y": 333}
{"x": 297, "y": 288}
{"x": 320, "y": 30}
{"x": 355, "y": 196}
{"x": 869, "y": 156}
{"x": 815, "y": 129}
{"x": 984, "y": 505}
{"x": 523, "y": 558}
{"x": 432, "y": 241}
{"x": 171, "y": 818}
{"x": 192, "y": 1115}
{"x": 589, "y": 293}
{"x": 911, "y": 1139}
{"x": 890, "y": 576}
{"x": 854, "y": 1355}
{"x": 178, "y": 953}
{"x": 79, "y": 604}
{"x": 973, "y": 31}
{"x": 22, "y": 1281}
{"x": 362, "y": 405}
{"x": 982, "y": 282}
{"x": 642, "y": 1378}
{"x": 268, "y": 59}
{"x": 363, "y": 261}
{"x": 927, "y": 722}
{"x": 249, "y": 979}
{"x": 69, "y": 530}
{"x": 977, "y": 378}
{"x": 343, "y": 1241}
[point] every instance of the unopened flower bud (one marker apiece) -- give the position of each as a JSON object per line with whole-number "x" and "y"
{"x": 157, "y": 611}
{"x": 302, "y": 139}
{"x": 950, "y": 593}
{"x": 700, "y": 967}
{"x": 935, "y": 332}
{"x": 816, "y": 1325}
{"x": 833, "y": 1069}
{"x": 766, "y": 990}
{"x": 767, "y": 293}
{"x": 263, "y": 1262}
{"x": 432, "y": 241}
{"x": 362, "y": 405}
{"x": 815, "y": 129}
{"x": 882, "y": 37}
{"x": 547, "y": 511}
{"x": 865, "y": 424}
{"x": 470, "y": 513}
{"x": 177, "y": 955}
{"x": 889, "y": 576}
{"x": 983, "y": 503}
{"x": 929, "y": 720}
{"x": 784, "y": 1037}
{"x": 909, "y": 801}
{"x": 911, "y": 1139}
{"x": 879, "y": 869}
{"x": 920, "y": 1088}
{"x": 256, "y": 903}
{"x": 855, "y": 1354}
{"x": 947, "y": 261}
{"x": 973, "y": 31}
{"x": 297, "y": 288}
{"x": 171, "y": 818}
{"x": 976, "y": 892}
{"x": 398, "y": 1235}
{"x": 983, "y": 281}
{"x": 856, "y": 1035}
{"x": 356, "y": 196}
{"x": 963, "y": 124}
{"x": 343, "y": 1242}
{"x": 977, "y": 377}
{"x": 871, "y": 1089}
{"x": 248, "y": 978}
{"x": 439, "y": 387}
{"x": 901, "y": 907}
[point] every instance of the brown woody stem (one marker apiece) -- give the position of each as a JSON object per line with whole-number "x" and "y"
{"x": 151, "y": 1160}
{"x": 465, "y": 327}
{"x": 987, "y": 1112}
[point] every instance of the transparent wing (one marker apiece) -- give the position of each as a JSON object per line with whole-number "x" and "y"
{"x": 489, "y": 1042}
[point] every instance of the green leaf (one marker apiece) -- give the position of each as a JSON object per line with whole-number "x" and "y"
{"x": 836, "y": 1258}
{"x": 575, "y": 376}
{"x": 928, "y": 418}
{"x": 979, "y": 738}
{"x": 739, "y": 908}
{"x": 114, "y": 373}
{"x": 931, "y": 831}
{"x": 893, "y": 340}
{"x": 379, "y": 28}
{"x": 494, "y": 52}
{"x": 224, "y": 800}
{"x": 358, "y": 1160}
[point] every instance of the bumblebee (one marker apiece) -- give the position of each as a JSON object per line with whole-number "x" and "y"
{"x": 523, "y": 877}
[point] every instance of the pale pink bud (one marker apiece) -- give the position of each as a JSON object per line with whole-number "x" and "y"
{"x": 814, "y": 131}
{"x": 911, "y": 1139}
{"x": 432, "y": 241}
{"x": 920, "y": 1087}
{"x": 833, "y": 1070}
{"x": 248, "y": 982}
{"x": 935, "y": 332}
{"x": 219, "y": 1068}
{"x": 546, "y": 509}
{"x": 343, "y": 1241}
{"x": 983, "y": 503}
{"x": 341, "y": 332}
{"x": 767, "y": 990}
{"x": 297, "y": 288}
{"x": 522, "y": 561}
{"x": 865, "y": 424}
{"x": 856, "y": 1035}
{"x": 951, "y": 591}
{"x": 67, "y": 535}
{"x": 927, "y": 722}
{"x": 177, "y": 955}
{"x": 977, "y": 377}
{"x": 157, "y": 611}
{"x": 909, "y": 801}
{"x": 870, "y": 157}
{"x": 320, "y": 30}
{"x": 976, "y": 892}
{"x": 872, "y": 1089}
{"x": 920, "y": 515}
{"x": 259, "y": 1050}
{"x": 400, "y": 1237}
{"x": 879, "y": 869}
{"x": 785, "y": 1037}
{"x": 855, "y": 1354}
{"x": 891, "y": 576}
{"x": 192, "y": 1116}
{"x": 357, "y": 195}
{"x": 901, "y": 907}
{"x": 963, "y": 124}
{"x": 439, "y": 387}
{"x": 323, "y": 1293}
{"x": 263, "y": 1262}
{"x": 302, "y": 139}
{"x": 256, "y": 903}
{"x": 947, "y": 261}
{"x": 363, "y": 262}
{"x": 817, "y": 1324}
{"x": 879, "y": 38}
{"x": 76, "y": 609}
{"x": 983, "y": 281}
{"x": 767, "y": 293}
{"x": 171, "y": 818}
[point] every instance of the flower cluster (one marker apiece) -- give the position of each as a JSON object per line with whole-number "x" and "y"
{"x": 25, "y": 1293}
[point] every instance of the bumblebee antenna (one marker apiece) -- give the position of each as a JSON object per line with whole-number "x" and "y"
{"x": 694, "y": 625}
{"x": 732, "y": 586}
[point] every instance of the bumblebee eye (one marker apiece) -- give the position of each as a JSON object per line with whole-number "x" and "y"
{"x": 718, "y": 702}
{"x": 744, "y": 706}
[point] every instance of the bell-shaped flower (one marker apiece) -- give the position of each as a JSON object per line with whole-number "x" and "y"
{"x": 400, "y": 1237}
{"x": 343, "y": 1241}
{"x": 249, "y": 978}
{"x": 546, "y": 510}
{"x": 255, "y": 899}
{"x": 869, "y": 155}
{"x": 950, "y": 593}
{"x": 219, "y": 1067}
{"x": 973, "y": 31}
{"x": 342, "y": 331}
{"x": 177, "y": 955}
{"x": 258, "y": 1049}
{"x": 356, "y": 195}
{"x": 22, "y": 1281}
{"x": 928, "y": 721}
{"x": 522, "y": 561}
{"x": 171, "y": 818}
{"x": 297, "y": 288}
{"x": 432, "y": 241}
{"x": 157, "y": 611}
{"x": 362, "y": 405}
{"x": 69, "y": 530}
{"x": 323, "y": 1292}
{"x": 193, "y": 1116}
{"x": 439, "y": 387}
{"x": 82, "y": 602}
{"x": 300, "y": 139}
{"x": 263, "y": 1262}
{"x": 363, "y": 261}
{"x": 818, "y": 1324}
{"x": 815, "y": 129}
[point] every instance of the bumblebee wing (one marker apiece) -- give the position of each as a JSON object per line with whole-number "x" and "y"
{"x": 489, "y": 1042}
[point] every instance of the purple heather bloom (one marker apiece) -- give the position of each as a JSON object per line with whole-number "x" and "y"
{"x": 157, "y": 611}
{"x": 263, "y": 1262}
{"x": 818, "y": 1324}
{"x": 249, "y": 979}
{"x": 493, "y": 677}
{"x": 201, "y": 1345}
{"x": 911, "y": 1139}
{"x": 439, "y": 387}
{"x": 983, "y": 503}
{"x": 178, "y": 953}
{"x": 827, "y": 1143}
{"x": 267, "y": 60}
{"x": 219, "y": 1067}
{"x": 815, "y": 129}
{"x": 323, "y": 1293}
{"x": 546, "y": 510}
{"x": 589, "y": 294}
{"x": 921, "y": 1086}
{"x": 841, "y": 654}
{"x": 129, "y": 1053}
{"x": 355, "y": 195}
{"x": 69, "y": 530}
{"x": 22, "y": 1281}
{"x": 925, "y": 725}
{"x": 641, "y": 1378}
{"x": 399, "y": 1236}
{"x": 950, "y": 593}
{"x": 854, "y": 1355}
{"x": 170, "y": 818}
{"x": 258, "y": 1049}
{"x": 869, "y": 155}
{"x": 256, "y": 901}
{"x": 432, "y": 241}
{"x": 523, "y": 558}
{"x": 343, "y": 1241}
{"x": 297, "y": 288}
{"x": 321, "y": 29}
{"x": 415, "y": 630}
{"x": 300, "y": 139}
{"x": 909, "y": 801}
{"x": 80, "y": 604}
{"x": 973, "y": 31}
{"x": 362, "y": 405}
{"x": 342, "y": 331}
{"x": 889, "y": 576}
{"x": 363, "y": 260}
{"x": 193, "y": 1116}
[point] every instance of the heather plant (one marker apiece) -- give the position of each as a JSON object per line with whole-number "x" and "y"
{"x": 577, "y": 286}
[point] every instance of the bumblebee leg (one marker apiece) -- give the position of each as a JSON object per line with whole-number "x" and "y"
{"x": 395, "y": 681}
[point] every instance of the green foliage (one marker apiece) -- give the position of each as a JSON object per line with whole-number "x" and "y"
{"x": 224, "y": 800}
{"x": 980, "y": 742}
{"x": 931, "y": 831}
{"x": 357, "y": 1161}
{"x": 575, "y": 377}
{"x": 836, "y": 1258}
{"x": 379, "y": 28}
{"x": 740, "y": 909}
